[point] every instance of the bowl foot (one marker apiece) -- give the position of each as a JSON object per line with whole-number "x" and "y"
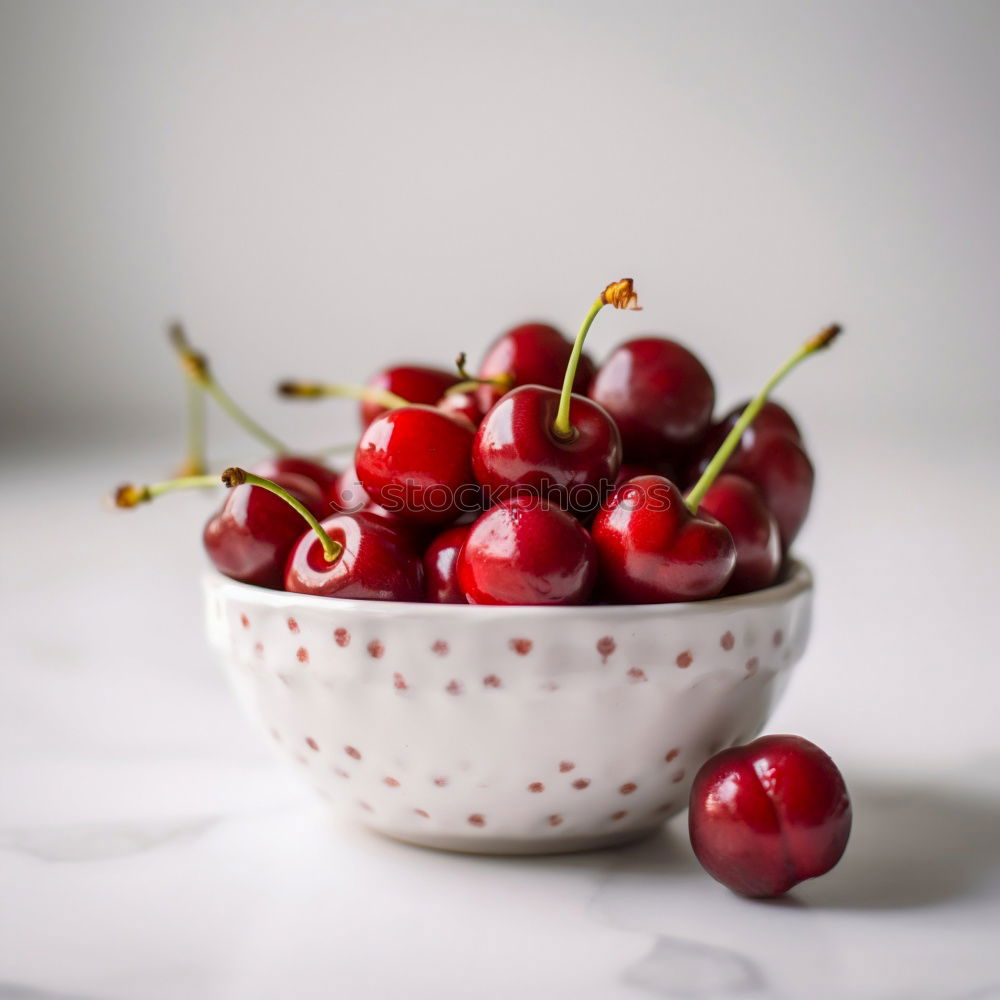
{"x": 461, "y": 844}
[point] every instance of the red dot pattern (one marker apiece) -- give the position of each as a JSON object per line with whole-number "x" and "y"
{"x": 391, "y": 782}
{"x": 636, "y": 674}
{"x": 778, "y": 638}
{"x": 342, "y": 637}
{"x": 244, "y": 621}
{"x": 685, "y": 659}
{"x": 678, "y": 777}
{"x": 302, "y": 654}
{"x": 422, "y": 812}
{"x": 628, "y": 788}
{"x": 477, "y": 819}
{"x": 581, "y": 783}
{"x": 566, "y": 765}
{"x": 672, "y": 754}
{"x": 454, "y": 687}
{"x": 521, "y": 646}
{"x": 621, "y": 814}
{"x": 752, "y": 664}
{"x": 491, "y": 681}
{"x": 375, "y": 649}
{"x": 727, "y": 641}
{"x": 311, "y": 743}
{"x": 352, "y": 752}
{"x": 606, "y": 646}
{"x": 555, "y": 820}
{"x": 536, "y": 786}
{"x": 293, "y": 625}
{"x": 399, "y": 682}
{"x": 440, "y": 647}
{"x": 441, "y": 782}
{"x": 258, "y": 648}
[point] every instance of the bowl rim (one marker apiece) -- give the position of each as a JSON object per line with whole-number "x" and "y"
{"x": 797, "y": 580}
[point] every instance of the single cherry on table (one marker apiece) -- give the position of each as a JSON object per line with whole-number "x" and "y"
{"x": 766, "y": 816}
{"x": 553, "y": 443}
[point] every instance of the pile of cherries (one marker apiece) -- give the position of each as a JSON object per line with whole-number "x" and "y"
{"x": 544, "y": 480}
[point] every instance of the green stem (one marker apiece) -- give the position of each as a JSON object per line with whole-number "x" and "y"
{"x": 130, "y": 495}
{"x": 236, "y": 477}
{"x": 194, "y": 464}
{"x": 317, "y": 390}
{"x": 561, "y": 426}
{"x": 728, "y": 446}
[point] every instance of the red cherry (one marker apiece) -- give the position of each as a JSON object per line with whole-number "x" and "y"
{"x": 527, "y": 551}
{"x": 517, "y": 447}
{"x": 414, "y": 383}
{"x": 652, "y": 549}
{"x": 441, "y": 566}
{"x": 532, "y": 354}
{"x": 739, "y": 506}
{"x": 766, "y": 816}
{"x": 278, "y": 465}
{"x": 771, "y": 455}
{"x": 376, "y": 562}
{"x": 462, "y": 404}
{"x": 250, "y": 537}
{"x": 659, "y": 394}
{"x": 416, "y": 461}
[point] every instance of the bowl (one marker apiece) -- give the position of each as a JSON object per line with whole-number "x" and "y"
{"x": 507, "y": 730}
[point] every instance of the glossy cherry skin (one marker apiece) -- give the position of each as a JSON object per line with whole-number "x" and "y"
{"x": 765, "y": 816}
{"x": 416, "y": 461}
{"x": 651, "y": 549}
{"x": 533, "y": 354}
{"x": 516, "y": 447}
{"x": 527, "y": 551}
{"x": 414, "y": 383}
{"x": 462, "y": 404}
{"x": 441, "y": 566}
{"x": 277, "y": 465}
{"x": 772, "y": 456}
{"x": 660, "y": 395}
{"x": 250, "y": 537}
{"x": 378, "y": 562}
{"x": 737, "y": 503}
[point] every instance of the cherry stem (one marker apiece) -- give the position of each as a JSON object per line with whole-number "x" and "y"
{"x": 196, "y": 368}
{"x": 194, "y": 461}
{"x": 697, "y": 492}
{"x": 619, "y": 294}
{"x": 318, "y": 390}
{"x": 237, "y": 477}
{"x": 470, "y": 382}
{"x": 130, "y": 495}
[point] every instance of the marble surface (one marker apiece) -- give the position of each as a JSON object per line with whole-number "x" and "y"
{"x": 151, "y": 848}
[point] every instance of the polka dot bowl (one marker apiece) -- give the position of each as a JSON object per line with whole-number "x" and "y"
{"x": 507, "y": 730}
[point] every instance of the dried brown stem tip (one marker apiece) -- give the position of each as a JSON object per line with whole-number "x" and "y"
{"x": 129, "y": 495}
{"x": 621, "y": 295}
{"x": 234, "y": 476}
{"x": 302, "y": 390}
{"x": 195, "y": 365}
{"x": 825, "y": 337}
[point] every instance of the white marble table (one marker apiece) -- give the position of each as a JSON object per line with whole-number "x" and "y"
{"x": 150, "y": 848}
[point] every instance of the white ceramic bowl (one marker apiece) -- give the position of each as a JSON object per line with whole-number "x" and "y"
{"x": 507, "y": 730}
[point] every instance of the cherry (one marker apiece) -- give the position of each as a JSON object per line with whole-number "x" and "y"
{"x": 660, "y": 395}
{"x": 553, "y": 443}
{"x": 279, "y": 465}
{"x": 250, "y": 537}
{"x": 366, "y": 559}
{"x": 415, "y": 461}
{"x": 765, "y": 816}
{"x": 776, "y": 464}
{"x": 772, "y": 456}
{"x": 531, "y": 354}
{"x": 462, "y": 404}
{"x": 653, "y": 549}
{"x": 739, "y": 506}
{"x": 441, "y": 566}
{"x": 414, "y": 383}
{"x": 527, "y": 551}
